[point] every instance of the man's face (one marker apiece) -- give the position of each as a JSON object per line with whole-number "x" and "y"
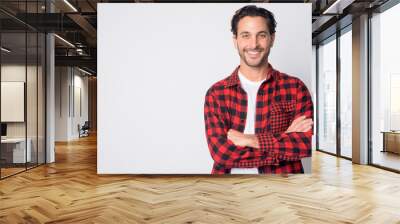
{"x": 253, "y": 41}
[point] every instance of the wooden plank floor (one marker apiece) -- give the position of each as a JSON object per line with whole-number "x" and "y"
{"x": 10, "y": 171}
{"x": 70, "y": 191}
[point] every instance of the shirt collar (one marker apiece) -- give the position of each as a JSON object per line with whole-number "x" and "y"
{"x": 233, "y": 79}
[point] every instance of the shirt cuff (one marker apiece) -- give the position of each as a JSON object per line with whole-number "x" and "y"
{"x": 266, "y": 141}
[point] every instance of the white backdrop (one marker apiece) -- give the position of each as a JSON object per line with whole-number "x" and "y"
{"x": 155, "y": 64}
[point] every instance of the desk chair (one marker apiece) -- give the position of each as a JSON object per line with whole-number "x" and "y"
{"x": 84, "y": 130}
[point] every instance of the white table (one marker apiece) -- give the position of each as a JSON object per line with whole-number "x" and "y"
{"x": 19, "y": 149}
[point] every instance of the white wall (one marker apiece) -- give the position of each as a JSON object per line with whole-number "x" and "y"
{"x": 61, "y": 103}
{"x": 68, "y": 81}
{"x": 80, "y": 84}
{"x": 155, "y": 64}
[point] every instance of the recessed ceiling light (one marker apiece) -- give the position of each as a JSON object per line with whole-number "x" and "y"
{"x": 64, "y": 40}
{"x": 70, "y": 5}
{"x": 338, "y": 6}
{"x": 5, "y": 50}
{"x": 84, "y": 71}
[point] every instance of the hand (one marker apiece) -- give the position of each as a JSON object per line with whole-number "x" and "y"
{"x": 300, "y": 124}
{"x": 240, "y": 139}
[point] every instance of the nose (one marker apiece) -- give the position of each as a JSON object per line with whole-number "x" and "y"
{"x": 253, "y": 43}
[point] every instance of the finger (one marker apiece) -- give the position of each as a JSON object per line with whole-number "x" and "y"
{"x": 309, "y": 120}
{"x": 305, "y": 128}
{"x": 295, "y": 124}
{"x": 306, "y": 122}
{"x": 302, "y": 117}
{"x": 300, "y": 120}
{"x": 233, "y": 131}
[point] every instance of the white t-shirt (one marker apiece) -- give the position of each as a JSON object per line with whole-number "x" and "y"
{"x": 251, "y": 89}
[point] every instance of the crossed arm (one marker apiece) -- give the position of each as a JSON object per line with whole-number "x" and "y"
{"x": 231, "y": 148}
{"x": 300, "y": 124}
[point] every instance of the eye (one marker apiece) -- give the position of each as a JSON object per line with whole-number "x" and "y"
{"x": 245, "y": 35}
{"x": 263, "y": 35}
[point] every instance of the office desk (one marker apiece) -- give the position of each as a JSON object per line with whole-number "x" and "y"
{"x": 13, "y": 150}
{"x": 391, "y": 141}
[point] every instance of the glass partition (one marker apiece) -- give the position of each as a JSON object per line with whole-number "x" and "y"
{"x": 385, "y": 89}
{"x": 13, "y": 111}
{"x": 327, "y": 96}
{"x": 32, "y": 95}
{"x": 22, "y": 77}
{"x": 41, "y": 85}
{"x": 346, "y": 93}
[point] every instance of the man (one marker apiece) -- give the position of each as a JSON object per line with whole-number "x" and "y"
{"x": 258, "y": 120}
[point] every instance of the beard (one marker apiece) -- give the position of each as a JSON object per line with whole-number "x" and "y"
{"x": 255, "y": 63}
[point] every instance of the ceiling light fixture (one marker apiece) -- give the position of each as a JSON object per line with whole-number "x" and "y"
{"x": 65, "y": 41}
{"x": 84, "y": 71}
{"x": 5, "y": 49}
{"x": 79, "y": 51}
{"x": 337, "y": 7}
{"x": 70, "y": 5}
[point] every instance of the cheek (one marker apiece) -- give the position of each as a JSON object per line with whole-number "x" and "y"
{"x": 241, "y": 44}
{"x": 265, "y": 43}
{"x": 240, "y": 48}
{"x": 237, "y": 45}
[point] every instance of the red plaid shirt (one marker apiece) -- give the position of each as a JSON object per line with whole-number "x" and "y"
{"x": 281, "y": 98}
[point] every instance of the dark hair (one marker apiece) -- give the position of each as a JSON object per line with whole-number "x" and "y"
{"x": 252, "y": 10}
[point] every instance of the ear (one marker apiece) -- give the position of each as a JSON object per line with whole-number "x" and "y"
{"x": 272, "y": 39}
{"x": 234, "y": 39}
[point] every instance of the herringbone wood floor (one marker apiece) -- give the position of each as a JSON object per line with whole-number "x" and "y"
{"x": 70, "y": 191}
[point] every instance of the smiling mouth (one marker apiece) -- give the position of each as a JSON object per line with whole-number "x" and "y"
{"x": 253, "y": 53}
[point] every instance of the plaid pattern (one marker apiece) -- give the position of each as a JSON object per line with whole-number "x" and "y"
{"x": 281, "y": 98}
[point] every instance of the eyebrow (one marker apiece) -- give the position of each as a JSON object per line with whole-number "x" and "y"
{"x": 247, "y": 32}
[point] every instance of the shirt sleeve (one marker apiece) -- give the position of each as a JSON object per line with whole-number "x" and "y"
{"x": 223, "y": 151}
{"x": 295, "y": 145}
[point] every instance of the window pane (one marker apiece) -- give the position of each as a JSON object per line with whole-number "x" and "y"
{"x": 386, "y": 89}
{"x": 41, "y": 98}
{"x": 31, "y": 101}
{"x": 346, "y": 94}
{"x": 14, "y": 153}
{"x": 327, "y": 97}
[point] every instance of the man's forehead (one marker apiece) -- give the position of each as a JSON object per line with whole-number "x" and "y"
{"x": 252, "y": 30}
{"x": 252, "y": 24}
{"x": 252, "y": 19}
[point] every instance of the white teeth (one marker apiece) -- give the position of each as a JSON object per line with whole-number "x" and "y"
{"x": 253, "y": 52}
